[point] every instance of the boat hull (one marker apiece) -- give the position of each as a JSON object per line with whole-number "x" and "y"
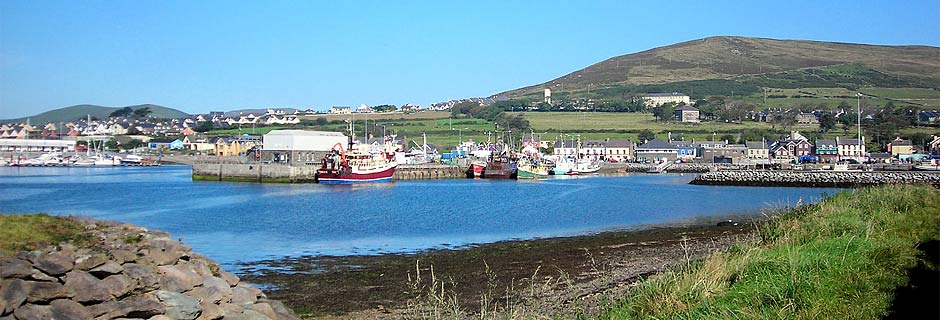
{"x": 332, "y": 177}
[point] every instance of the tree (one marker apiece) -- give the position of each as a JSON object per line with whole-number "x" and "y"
{"x": 142, "y": 112}
{"x": 727, "y": 137}
{"x": 827, "y": 121}
{"x": 645, "y": 135}
{"x": 320, "y": 121}
{"x": 385, "y": 108}
{"x": 133, "y": 131}
{"x": 122, "y": 112}
{"x": 111, "y": 144}
{"x": 204, "y": 126}
{"x": 133, "y": 144}
{"x": 664, "y": 112}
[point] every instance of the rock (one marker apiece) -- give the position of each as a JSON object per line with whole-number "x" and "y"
{"x": 48, "y": 291}
{"x": 213, "y": 289}
{"x": 143, "y": 306}
{"x": 55, "y": 264}
{"x": 68, "y": 309}
{"x": 179, "y": 306}
{"x": 231, "y": 310}
{"x": 244, "y": 295}
{"x": 123, "y": 256}
{"x": 33, "y": 312}
{"x": 145, "y": 276}
{"x": 161, "y": 257}
{"x": 252, "y": 315}
{"x": 41, "y": 276}
{"x": 87, "y": 288}
{"x": 106, "y": 269}
{"x": 282, "y": 311}
{"x": 264, "y": 309}
{"x": 11, "y": 267}
{"x": 118, "y": 285}
{"x": 211, "y": 311}
{"x": 13, "y": 293}
{"x": 88, "y": 261}
{"x": 208, "y": 294}
{"x": 160, "y": 317}
{"x": 199, "y": 267}
{"x": 178, "y": 279}
{"x": 231, "y": 279}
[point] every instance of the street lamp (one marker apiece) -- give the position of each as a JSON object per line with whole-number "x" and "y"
{"x": 858, "y": 110}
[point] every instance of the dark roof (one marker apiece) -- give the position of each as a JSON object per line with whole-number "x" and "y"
{"x": 619, "y": 144}
{"x": 657, "y": 144}
{"x": 566, "y": 143}
{"x": 848, "y": 141}
{"x": 661, "y": 94}
{"x": 681, "y": 144}
{"x": 686, "y": 107}
{"x": 825, "y": 142}
{"x": 755, "y": 145}
{"x": 901, "y": 143}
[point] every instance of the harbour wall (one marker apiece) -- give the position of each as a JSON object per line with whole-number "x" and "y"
{"x": 837, "y": 179}
{"x": 261, "y": 172}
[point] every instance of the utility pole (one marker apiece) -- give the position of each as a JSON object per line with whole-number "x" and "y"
{"x": 859, "y": 117}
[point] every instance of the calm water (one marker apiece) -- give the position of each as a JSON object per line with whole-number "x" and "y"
{"x": 240, "y": 222}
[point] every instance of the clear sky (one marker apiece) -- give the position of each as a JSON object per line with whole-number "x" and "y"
{"x": 198, "y": 56}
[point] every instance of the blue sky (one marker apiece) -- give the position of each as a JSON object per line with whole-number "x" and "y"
{"x": 198, "y": 56}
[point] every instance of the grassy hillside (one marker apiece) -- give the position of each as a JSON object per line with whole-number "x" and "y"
{"x": 83, "y": 110}
{"x": 749, "y": 63}
{"x": 841, "y": 259}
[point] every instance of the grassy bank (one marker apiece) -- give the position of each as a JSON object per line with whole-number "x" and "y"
{"x": 34, "y": 231}
{"x": 842, "y": 258}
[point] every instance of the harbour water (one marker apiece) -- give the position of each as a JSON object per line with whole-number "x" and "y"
{"x": 244, "y": 222}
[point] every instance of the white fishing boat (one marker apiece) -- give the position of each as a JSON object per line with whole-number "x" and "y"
{"x": 587, "y": 166}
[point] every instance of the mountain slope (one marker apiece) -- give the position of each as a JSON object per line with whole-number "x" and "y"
{"x": 81, "y": 111}
{"x": 743, "y": 58}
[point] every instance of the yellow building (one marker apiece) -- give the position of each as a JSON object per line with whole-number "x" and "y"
{"x": 901, "y": 147}
{"x": 232, "y": 147}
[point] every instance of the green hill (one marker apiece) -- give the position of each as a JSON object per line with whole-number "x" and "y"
{"x": 718, "y": 65}
{"x": 83, "y": 110}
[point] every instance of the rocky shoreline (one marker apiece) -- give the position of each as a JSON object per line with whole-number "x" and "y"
{"x": 127, "y": 272}
{"x": 540, "y": 278}
{"x": 829, "y": 179}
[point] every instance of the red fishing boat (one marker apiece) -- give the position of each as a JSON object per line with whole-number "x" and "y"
{"x": 339, "y": 167}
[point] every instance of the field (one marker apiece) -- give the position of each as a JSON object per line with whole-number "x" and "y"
{"x": 845, "y": 258}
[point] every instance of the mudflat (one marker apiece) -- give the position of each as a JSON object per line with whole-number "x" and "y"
{"x": 553, "y": 277}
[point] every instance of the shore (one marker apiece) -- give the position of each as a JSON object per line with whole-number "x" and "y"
{"x": 555, "y": 277}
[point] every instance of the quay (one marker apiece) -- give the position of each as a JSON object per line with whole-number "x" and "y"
{"x": 265, "y": 172}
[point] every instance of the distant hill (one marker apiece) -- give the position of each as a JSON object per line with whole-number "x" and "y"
{"x": 716, "y": 65}
{"x": 83, "y": 110}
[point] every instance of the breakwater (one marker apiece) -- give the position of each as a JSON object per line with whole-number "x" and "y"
{"x": 837, "y": 179}
{"x": 125, "y": 271}
{"x": 668, "y": 168}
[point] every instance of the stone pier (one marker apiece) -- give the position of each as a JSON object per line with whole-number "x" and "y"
{"x": 836, "y": 179}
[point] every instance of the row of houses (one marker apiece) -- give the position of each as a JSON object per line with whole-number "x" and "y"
{"x": 792, "y": 147}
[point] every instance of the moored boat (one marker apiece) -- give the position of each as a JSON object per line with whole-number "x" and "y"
{"x": 532, "y": 170}
{"x": 500, "y": 168}
{"x": 339, "y": 167}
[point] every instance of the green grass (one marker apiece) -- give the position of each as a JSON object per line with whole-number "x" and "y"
{"x": 903, "y": 93}
{"x": 575, "y": 121}
{"x": 839, "y": 259}
{"x": 248, "y": 130}
{"x": 35, "y": 231}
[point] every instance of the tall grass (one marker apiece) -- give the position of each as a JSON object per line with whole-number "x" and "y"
{"x": 841, "y": 258}
{"x": 34, "y": 231}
